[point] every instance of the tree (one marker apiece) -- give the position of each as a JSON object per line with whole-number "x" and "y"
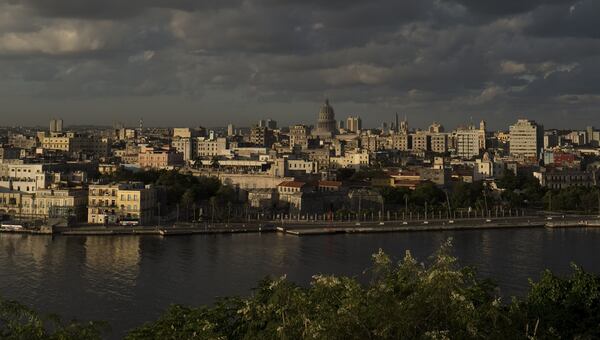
{"x": 430, "y": 193}
{"x": 19, "y": 322}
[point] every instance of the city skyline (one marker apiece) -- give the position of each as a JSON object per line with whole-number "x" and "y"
{"x": 184, "y": 64}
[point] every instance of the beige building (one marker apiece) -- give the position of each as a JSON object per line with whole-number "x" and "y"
{"x": 354, "y": 160}
{"x": 526, "y": 138}
{"x": 11, "y": 202}
{"x": 299, "y": 136}
{"x": 60, "y": 203}
{"x": 212, "y": 147}
{"x": 292, "y": 192}
{"x": 467, "y": 142}
{"x": 353, "y": 124}
{"x": 400, "y": 141}
{"x": 121, "y": 202}
{"x": 421, "y": 141}
{"x": 262, "y": 136}
{"x": 186, "y": 146}
{"x": 44, "y": 204}
{"x": 159, "y": 159}
{"x": 25, "y": 177}
{"x": 71, "y": 142}
{"x": 439, "y": 142}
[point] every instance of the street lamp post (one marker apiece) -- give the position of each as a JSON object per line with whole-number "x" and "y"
{"x": 159, "y": 214}
{"x": 448, "y": 203}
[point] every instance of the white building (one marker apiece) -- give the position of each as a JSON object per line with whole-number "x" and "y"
{"x": 354, "y": 160}
{"x": 526, "y": 138}
{"x": 467, "y": 142}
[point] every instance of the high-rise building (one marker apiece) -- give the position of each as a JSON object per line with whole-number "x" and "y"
{"x": 550, "y": 139}
{"x": 482, "y": 135}
{"x": 526, "y": 138}
{"x": 326, "y": 120}
{"x": 593, "y": 136}
{"x": 403, "y": 126}
{"x": 56, "y": 125}
{"x": 467, "y": 142}
{"x": 230, "y": 130}
{"x": 262, "y": 136}
{"x": 185, "y": 146}
{"x": 353, "y": 124}
{"x": 439, "y": 142}
{"x": 421, "y": 141}
{"x": 299, "y": 136}
{"x": 271, "y": 124}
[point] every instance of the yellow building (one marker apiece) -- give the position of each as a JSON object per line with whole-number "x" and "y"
{"x": 44, "y": 204}
{"x": 55, "y": 203}
{"x": 11, "y": 202}
{"x": 71, "y": 142}
{"x": 121, "y": 202}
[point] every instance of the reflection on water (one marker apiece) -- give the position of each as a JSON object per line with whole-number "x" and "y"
{"x": 129, "y": 280}
{"x": 114, "y": 259}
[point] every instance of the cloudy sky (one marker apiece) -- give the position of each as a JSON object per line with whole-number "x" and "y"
{"x": 210, "y": 62}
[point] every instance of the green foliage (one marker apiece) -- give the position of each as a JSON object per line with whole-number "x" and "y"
{"x": 344, "y": 174}
{"x": 18, "y": 322}
{"x": 424, "y": 192}
{"x": 367, "y": 174}
{"x": 393, "y": 195}
{"x": 521, "y": 190}
{"x": 572, "y": 199}
{"x": 428, "y": 192}
{"x": 185, "y": 189}
{"x": 566, "y": 308}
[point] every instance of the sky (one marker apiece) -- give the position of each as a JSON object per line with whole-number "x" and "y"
{"x": 214, "y": 62}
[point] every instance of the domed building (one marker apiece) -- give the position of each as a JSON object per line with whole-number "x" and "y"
{"x": 326, "y": 122}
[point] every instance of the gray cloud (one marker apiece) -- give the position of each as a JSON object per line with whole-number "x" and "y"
{"x": 216, "y": 60}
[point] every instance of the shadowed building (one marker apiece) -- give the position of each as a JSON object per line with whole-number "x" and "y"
{"x": 326, "y": 122}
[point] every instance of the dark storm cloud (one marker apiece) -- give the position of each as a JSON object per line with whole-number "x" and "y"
{"x": 575, "y": 19}
{"x": 506, "y": 7}
{"x": 432, "y": 58}
{"x": 116, "y": 9}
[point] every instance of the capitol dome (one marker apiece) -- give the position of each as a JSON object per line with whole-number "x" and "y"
{"x": 326, "y": 120}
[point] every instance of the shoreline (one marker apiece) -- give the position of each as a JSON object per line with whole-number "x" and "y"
{"x": 309, "y": 228}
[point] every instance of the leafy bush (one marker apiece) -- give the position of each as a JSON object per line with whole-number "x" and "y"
{"x": 18, "y": 322}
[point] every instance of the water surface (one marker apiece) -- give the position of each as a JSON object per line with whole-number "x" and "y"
{"x": 131, "y": 279}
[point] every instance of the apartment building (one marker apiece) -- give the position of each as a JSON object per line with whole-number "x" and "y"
{"x": 526, "y": 138}
{"x": 212, "y": 147}
{"x": 159, "y": 159}
{"x": 467, "y": 142}
{"x": 121, "y": 202}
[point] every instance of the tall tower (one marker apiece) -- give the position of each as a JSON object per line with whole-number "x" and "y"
{"x": 326, "y": 120}
{"x": 56, "y": 125}
{"x": 404, "y": 126}
{"x": 141, "y": 127}
{"x": 482, "y": 135}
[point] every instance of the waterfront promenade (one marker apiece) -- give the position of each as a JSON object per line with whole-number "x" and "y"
{"x": 321, "y": 227}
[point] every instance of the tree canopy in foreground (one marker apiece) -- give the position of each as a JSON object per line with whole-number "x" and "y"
{"x": 404, "y": 300}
